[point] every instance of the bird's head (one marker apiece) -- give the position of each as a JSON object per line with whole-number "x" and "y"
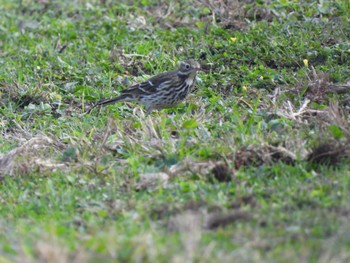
{"x": 189, "y": 67}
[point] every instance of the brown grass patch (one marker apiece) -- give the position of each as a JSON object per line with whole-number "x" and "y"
{"x": 26, "y": 158}
{"x": 256, "y": 155}
{"x": 220, "y": 220}
{"x": 329, "y": 153}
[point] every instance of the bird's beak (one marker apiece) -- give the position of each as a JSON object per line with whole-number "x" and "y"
{"x": 198, "y": 67}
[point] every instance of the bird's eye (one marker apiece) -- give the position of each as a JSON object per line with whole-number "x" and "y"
{"x": 187, "y": 66}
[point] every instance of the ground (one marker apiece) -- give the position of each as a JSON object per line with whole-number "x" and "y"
{"x": 253, "y": 166}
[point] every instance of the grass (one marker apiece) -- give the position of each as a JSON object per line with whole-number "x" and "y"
{"x": 253, "y": 166}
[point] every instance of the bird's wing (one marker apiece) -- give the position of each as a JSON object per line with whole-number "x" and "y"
{"x": 151, "y": 85}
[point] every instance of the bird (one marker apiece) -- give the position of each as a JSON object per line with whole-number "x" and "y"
{"x": 162, "y": 91}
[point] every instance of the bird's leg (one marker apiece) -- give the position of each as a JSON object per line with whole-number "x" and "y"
{"x": 99, "y": 110}
{"x": 148, "y": 111}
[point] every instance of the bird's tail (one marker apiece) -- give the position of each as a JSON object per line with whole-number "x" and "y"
{"x": 123, "y": 97}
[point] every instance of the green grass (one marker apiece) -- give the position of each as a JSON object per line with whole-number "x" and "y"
{"x": 254, "y": 166}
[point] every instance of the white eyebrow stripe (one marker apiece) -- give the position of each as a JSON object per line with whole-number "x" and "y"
{"x": 150, "y": 83}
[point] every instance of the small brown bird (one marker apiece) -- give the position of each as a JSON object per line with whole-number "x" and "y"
{"x": 161, "y": 91}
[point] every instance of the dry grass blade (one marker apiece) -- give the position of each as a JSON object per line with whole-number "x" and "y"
{"x": 287, "y": 111}
{"x": 338, "y": 117}
{"x": 319, "y": 86}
